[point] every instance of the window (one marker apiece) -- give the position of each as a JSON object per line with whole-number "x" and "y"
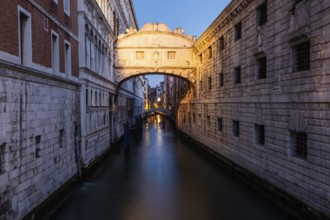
{"x": 259, "y": 134}
{"x": 61, "y": 138}
{"x": 209, "y": 83}
{"x": 261, "y": 68}
{"x": 25, "y": 38}
{"x": 301, "y": 57}
{"x": 2, "y": 157}
{"x": 220, "y": 79}
{"x": 262, "y": 14}
{"x": 66, "y": 5}
{"x": 238, "y": 31}
{"x": 37, "y": 141}
{"x": 55, "y": 52}
{"x": 208, "y": 121}
{"x": 201, "y": 85}
{"x": 235, "y": 128}
{"x": 222, "y": 43}
{"x": 210, "y": 52}
{"x": 171, "y": 55}
{"x": 194, "y": 118}
{"x": 67, "y": 57}
{"x": 219, "y": 124}
{"x": 237, "y": 75}
{"x": 201, "y": 58}
{"x": 298, "y": 144}
{"x": 139, "y": 55}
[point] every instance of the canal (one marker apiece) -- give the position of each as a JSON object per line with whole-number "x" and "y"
{"x": 162, "y": 178}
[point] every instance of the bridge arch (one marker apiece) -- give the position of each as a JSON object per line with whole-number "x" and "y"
{"x": 155, "y": 49}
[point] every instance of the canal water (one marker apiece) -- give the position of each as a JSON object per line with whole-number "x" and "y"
{"x": 162, "y": 178}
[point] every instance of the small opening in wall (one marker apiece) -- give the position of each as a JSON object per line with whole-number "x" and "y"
{"x": 298, "y": 144}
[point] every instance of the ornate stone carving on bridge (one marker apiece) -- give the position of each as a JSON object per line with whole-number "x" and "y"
{"x": 155, "y": 49}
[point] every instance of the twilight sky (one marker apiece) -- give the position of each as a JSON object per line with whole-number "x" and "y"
{"x": 194, "y": 16}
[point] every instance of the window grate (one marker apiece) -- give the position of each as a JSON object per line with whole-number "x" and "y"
{"x": 301, "y": 144}
{"x": 235, "y": 128}
{"x": 262, "y": 68}
{"x": 302, "y": 56}
{"x": 238, "y": 31}
{"x": 237, "y": 75}
{"x": 221, "y": 79}
{"x": 219, "y": 124}
{"x": 210, "y": 83}
{"x": 222, "y": 43}
{"x": 262, "y": 14}
{"x": 259, "y": 134}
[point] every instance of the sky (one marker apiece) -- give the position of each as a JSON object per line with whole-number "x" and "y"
{"x": 194, "y": 16}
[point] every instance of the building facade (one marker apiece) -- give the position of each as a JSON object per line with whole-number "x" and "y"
{"x": 263, "y": 96}
{"x": 39, "y": 102}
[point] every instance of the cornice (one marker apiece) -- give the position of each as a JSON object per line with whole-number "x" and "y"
{"x": 234, "y": 9}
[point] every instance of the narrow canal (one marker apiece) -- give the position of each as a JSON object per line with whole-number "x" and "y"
{"x": 163, "y": 178}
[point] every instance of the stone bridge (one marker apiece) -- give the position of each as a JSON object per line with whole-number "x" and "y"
{"x": 155, "y": 49}
{"x": 161, "y": 111}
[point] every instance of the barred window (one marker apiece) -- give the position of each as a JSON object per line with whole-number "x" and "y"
{"x": 262, "y": 14}
{"x": 238, "y": 31}
{"x": 237, "y": 75}
{"x": 201, "y": 85}
{"x": 37, "y": 141}
{"x": 235, "y": 128}
{"x": 261, "y": 68}
{"x": 201, "y": 58}
{"x": 301, "y": 56}
{"x": 210, "y": 52}
{"x": 61, "y": 138}
{"x": 208, "y": 121}
{"x": 2, "y": 157}
{"x": 222, "y": 43}
{"x": 220, "y": 79}
{"x": 194, "y": 118}
{"x": 219, "y": 124}
{"x": 210, "y": 83}
{"x": 298, "y": 144}
{"x": 259, "y": 134}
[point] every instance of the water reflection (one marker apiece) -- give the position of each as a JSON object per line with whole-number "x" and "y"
{"x": 163, "y": 178}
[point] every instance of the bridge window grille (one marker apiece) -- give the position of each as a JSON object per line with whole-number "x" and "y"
{"x": 238, "y": 31}
{"x": 220, "y": 124}
{"x": 235, "y": 128}
{"x": 262, "y": 14}
{"x": 201, "y": 58}
{"x": 301, "y": 57}
{"x": 210, "y": 83}
{"x": 237, "y": 75}
{"x": 171, "y": 55}
{"x": 298, "y": 144}
{"x": 259, "y": 134}
{"x": 261, "y": 68}
{"x": 194, "y": 118}
{"x": 220, "y": 79}
{"x": 201, "y": 85}
{"x": 139, "y": 55}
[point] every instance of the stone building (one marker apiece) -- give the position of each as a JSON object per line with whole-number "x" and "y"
{"x": 263, "y": 96}
{"x": 39, "y": 102}
{"x": 100, "y": 22}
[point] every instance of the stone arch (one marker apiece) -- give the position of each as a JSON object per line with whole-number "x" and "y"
{"x": 155, "y": 49}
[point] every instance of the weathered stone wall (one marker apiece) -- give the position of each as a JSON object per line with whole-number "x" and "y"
{"x": 39, "y": 116}
{"x": 286, "y": 101}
